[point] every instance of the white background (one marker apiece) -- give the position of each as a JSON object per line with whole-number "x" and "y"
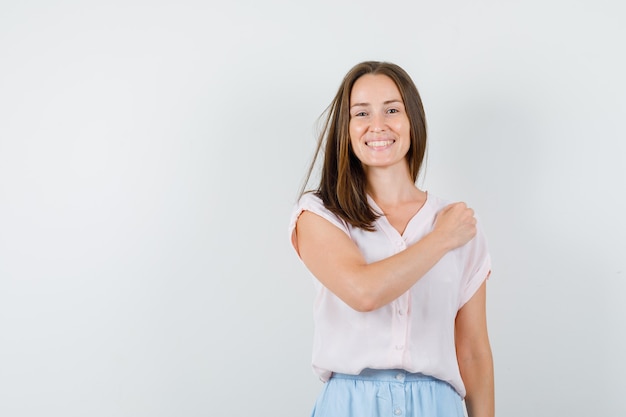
{"x": 151, "y": 151}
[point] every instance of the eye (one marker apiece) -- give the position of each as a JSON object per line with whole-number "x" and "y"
{"x": 360, "y": 114}
{"x": 393, "y": 111}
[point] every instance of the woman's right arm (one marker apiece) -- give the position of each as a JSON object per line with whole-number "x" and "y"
{"x": 338, "y": 264}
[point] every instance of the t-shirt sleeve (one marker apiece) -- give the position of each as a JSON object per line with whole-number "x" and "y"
{"x": 476, "y": 267}
{"x": 311, "y": 202}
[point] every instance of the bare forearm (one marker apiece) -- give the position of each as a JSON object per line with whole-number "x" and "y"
{"x": 478, "y": 378}
{"x": 379, "y": 283}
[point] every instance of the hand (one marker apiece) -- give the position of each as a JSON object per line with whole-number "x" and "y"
{"x": 456, "y": 224}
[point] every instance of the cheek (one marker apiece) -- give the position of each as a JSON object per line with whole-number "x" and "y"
{"x": 404, "y": 130}
{"x": 356, "y": 130}
{"x": 402, "y": 126}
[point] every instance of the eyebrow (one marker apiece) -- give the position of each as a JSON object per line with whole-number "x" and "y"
{"x": 386, "y": 102}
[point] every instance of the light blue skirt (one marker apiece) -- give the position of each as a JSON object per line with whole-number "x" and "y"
{"x": 387, "y": 393}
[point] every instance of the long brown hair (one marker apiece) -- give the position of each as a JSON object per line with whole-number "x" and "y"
{"x": 343, "y": 183}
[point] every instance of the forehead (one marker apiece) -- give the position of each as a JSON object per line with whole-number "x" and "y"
{"x": 374, "y": 87}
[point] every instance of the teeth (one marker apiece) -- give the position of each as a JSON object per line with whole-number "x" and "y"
{"x": 380, "y": 143}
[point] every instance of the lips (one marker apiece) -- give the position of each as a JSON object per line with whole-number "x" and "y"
{"x": 379, "y": 143}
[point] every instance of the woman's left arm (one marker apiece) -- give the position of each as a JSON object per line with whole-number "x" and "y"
{"x": 474, "y": 355}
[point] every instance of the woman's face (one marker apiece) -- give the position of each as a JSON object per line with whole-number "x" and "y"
{"x": 380, "y": 132}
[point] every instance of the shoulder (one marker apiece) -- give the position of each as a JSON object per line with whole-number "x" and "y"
{"x": 437, "y": 203}
{"x": 310, "y": 198}
{"x": 312, "y": 202}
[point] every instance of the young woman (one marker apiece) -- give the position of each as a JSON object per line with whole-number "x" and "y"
{"x": 400, "y": 321}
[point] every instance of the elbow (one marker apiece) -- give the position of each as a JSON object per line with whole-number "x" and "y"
{"x": 475, "y": 359}
{"x": 479, "y": 359}
{"x": 359, "y": 293}
{"x": 364, "y": 301}
{"x": 363, "y": 306}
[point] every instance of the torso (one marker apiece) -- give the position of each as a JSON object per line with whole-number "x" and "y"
{"x": 414, "y": 332}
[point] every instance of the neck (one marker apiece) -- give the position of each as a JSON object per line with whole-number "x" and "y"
{"x": 391, "y": 186}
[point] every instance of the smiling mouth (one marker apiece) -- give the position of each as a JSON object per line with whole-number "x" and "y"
{"x": 379, "y": 143}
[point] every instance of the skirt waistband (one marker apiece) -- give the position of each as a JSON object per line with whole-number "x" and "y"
{"x": 390, "y": 375}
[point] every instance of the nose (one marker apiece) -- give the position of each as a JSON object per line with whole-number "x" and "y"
{"x": 378, "y": 123}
